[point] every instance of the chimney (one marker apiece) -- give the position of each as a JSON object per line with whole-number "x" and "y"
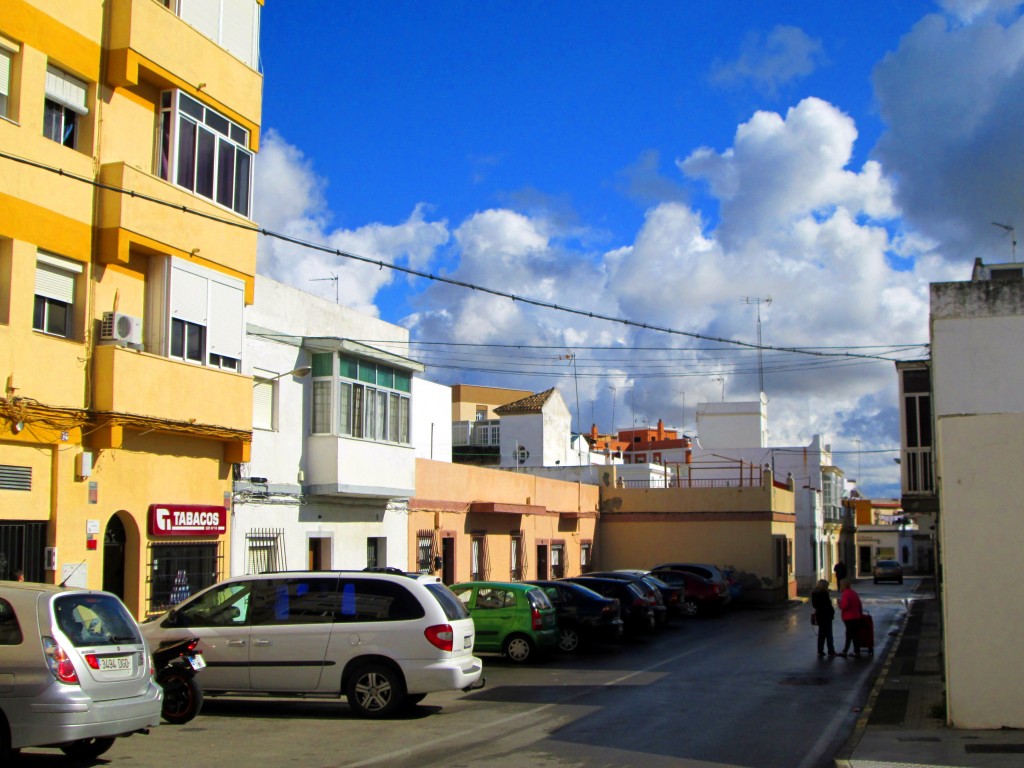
{"x": 661, "y": 429}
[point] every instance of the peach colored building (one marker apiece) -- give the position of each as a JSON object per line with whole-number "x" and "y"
{"x": 748, "y": 527}
{"x": 469, "y": 522}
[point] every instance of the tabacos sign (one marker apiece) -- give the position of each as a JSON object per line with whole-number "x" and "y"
{"x": 187, "y": 520}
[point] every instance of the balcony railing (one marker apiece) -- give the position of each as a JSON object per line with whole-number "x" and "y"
{"x": 476, "y": 432}
{"x": 918, "y": 474}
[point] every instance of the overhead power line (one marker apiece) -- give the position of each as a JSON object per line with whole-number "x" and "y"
{"x": 380, "y": 264}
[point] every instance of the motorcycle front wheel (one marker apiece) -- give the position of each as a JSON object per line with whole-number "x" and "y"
{"x": 183, "y": 698}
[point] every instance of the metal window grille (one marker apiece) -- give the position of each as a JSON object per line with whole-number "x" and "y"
{"x": 265, "y": 550}
{"x": 22, "y": 547}
{"x": 557, "y": 561}
{"x": 181, "y": 569}
{"x": 479, "y": 567}
{"x": 426, "y": 550}
{"x": 517, "y": 556}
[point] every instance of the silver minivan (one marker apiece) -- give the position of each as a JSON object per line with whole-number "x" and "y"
{"x": 75, "y": 672}
{"x": 382, "y": 640}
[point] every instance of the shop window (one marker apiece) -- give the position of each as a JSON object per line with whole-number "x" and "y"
{"x": 179, "y": 570}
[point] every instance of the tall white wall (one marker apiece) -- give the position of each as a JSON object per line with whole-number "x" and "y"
{"x": 728, "y": 425}
{"x": 431, "y": 420}
{"x": 978, "y": 401}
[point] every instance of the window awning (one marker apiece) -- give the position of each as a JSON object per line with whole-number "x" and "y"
{"x": 335, "y": 344}
{"x": 500, "y": 508}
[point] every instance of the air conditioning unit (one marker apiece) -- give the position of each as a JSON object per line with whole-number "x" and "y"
{"x": 123, "y": 329}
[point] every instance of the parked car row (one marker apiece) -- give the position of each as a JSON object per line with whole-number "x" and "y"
{"x": 83, "y": 674}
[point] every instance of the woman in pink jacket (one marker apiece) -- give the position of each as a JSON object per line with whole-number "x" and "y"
{"x": 852, "y": 614}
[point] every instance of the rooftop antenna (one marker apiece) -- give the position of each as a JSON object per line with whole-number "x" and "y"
{"x": 333, "y": 278}
{"x": 1013, "y": 238}
{"x": 760, "y": 350}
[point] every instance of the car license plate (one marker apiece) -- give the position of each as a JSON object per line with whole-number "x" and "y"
{"x": 467, "y": 642}
{"x": 116, "y": 664}
{"x": 197, "y": 662}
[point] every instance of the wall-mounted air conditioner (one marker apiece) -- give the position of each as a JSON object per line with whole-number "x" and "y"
{"x": 122, "y": 329}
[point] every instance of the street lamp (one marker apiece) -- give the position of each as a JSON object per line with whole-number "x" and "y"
{"x": 300, "y": 372}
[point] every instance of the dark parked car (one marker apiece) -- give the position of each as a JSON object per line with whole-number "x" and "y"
{"x": 888, "y": 570}
{"x": 701, "y": 569}
{"x": 700, "y": 595}
{"x": 647, "y": 585}
{"x": 637, "y": 611}
{"x": 584, "y": 616}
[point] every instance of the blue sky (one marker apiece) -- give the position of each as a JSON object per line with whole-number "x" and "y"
{"x": 661, "y": 162}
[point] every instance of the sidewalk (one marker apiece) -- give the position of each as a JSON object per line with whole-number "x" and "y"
{"x": 903, "y": 723}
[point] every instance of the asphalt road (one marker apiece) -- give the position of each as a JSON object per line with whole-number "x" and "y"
{"x": 743, "y": 689}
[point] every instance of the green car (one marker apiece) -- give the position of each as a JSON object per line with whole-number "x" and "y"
{"x": 514, "y": 619}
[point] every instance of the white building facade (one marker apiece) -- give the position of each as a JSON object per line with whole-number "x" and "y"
{"x": 337, "y": 427}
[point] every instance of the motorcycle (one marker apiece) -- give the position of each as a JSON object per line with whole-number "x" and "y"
{"x": 176, "y": 664}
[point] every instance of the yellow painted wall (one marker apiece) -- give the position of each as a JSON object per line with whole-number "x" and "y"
{"x": 727, "y": 527}
{"x": 445, "y": 491}
{"x": 115, "y": 237}
{"x": 466, "y": 397}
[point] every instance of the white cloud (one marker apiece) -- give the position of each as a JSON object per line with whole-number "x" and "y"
{"x": 952, "y": 96}
{"x": 290, "y": 202}
{"x": 784, "y": 54}
{"x": 781, "y": 169}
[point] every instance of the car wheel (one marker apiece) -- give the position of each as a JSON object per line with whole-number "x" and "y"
{"x": 690, "y": 608}
{"x": 569, "y": 640}
{"x": 519, "y": 648}
{"x": 375, "y": 690}
{"x": 87, "y": 749}
{"x": 183, "y": 698}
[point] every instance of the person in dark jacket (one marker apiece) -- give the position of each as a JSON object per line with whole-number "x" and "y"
{"x": 840, "y": 570}
{"x": 824, "y": 612}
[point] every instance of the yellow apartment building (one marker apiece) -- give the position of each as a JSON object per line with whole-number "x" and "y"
{"x": 128, "y": 130}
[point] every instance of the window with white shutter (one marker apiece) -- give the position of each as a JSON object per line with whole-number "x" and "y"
{"x": 206, "y": 316}
{"x": 53, "y": 311}
{"x": 65, "y": 102}
{"x": 232, "y": 24}
{"x": 262, "y": 401}
{"x": 5, "y": 81}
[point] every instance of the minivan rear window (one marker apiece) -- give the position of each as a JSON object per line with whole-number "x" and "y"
{"x": 377, "y": 600}
{"x": 449, "y": 602}
{"x": 95, "y": 619}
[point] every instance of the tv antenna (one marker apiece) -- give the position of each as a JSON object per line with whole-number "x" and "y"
{"x": 760, "y": 350}
{"x": 1013, "y": 238}
{"x": 333, "y": 278}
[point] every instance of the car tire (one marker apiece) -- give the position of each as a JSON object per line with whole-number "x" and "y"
{"x": 518, "y": 649}
{"x": 689, "y": 608}
{"x": 87, "y": 749}
{"x": 375, "y": 690}
{"x": 569, "y": 639}
{"x": 183, "y": 698}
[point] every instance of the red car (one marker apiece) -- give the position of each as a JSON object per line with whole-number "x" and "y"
{"x": 701, "y": 596}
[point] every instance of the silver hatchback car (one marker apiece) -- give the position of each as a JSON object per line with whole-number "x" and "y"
{"x": 75, "y": 672}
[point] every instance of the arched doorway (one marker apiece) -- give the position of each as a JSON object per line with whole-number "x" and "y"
{"x": 114, "y": 540}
